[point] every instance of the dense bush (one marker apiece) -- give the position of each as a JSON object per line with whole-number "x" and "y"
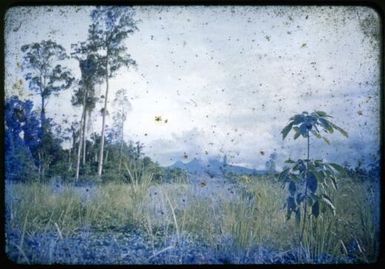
{"x": 21, "y": 139}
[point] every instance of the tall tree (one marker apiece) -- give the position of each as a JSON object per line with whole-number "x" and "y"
{"x": 46, "y": 76}
{"x": 44, "y": 73}
{"x": 85, "y": 95}
{"x": 122, "y": 106}
{"x": 110, "y": 27}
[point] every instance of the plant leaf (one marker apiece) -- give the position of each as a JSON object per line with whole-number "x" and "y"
{"x": 329, "y": 202}
{"x": 338, "y": 168}
{"x": 286, "y": 130}
{"x": 315, "y": 209}
{"x": 303, "y": 130}
{"x": 326, "y": 140}
{"x": 297, "y": 119}
{"x": 326, "y": 124}
{"x": 321, "y": 113}
{"x": 291, "y": 206}
{"x": 283, "y": 175}
{"x": 312, "y": 183}
{"x": 318, "y": 176}
{"x": 315, "y": 133}
{"x": 297, "y": 134}
{"x": 334, "y": 183}
{"x": 300, "y": 197}
{"x": 342, "y": 131}
{"x": 292, "y": 188}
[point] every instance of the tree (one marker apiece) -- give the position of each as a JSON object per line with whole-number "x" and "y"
{"x": 122, "y": 105}
{"x": 45, "y": 75}
{"x": 270, "y": 164}
{"x": 21, "y": 139}
{"x": 307, "y": 172}
{"x": 111, "y": 25}
{"x": 50, "y": 150}
{"x": 24, "y": 146}
{"x": 68, "y": 134}
{"x": 84, "y": 96}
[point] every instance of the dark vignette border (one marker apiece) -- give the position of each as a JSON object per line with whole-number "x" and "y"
{"x": 377, "y": 5}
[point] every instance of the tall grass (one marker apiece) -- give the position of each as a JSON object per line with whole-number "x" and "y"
{"x": 255, "y": 216}
{"x": 358, "y": 214}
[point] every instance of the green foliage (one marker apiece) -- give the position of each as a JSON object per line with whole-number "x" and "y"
{"x": 303, "y": 124}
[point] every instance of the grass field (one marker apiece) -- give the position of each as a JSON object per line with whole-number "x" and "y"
{"x": 231, "y": 217}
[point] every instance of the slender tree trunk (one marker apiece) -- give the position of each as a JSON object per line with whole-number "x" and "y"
{"x": 42, "y": 120}
{"x": 69, "y": 160}
{"x": 80, "y": 145}
{"x": 42, "y": 112}
{"x": 42, "y": 164}
{"x": 85, "y": 98}
{"x": 120, "y": 158}
{"x": 120, "y": 150}
{"x": 73, "y": 138}
{"x": 81, "y": 135}
{"x": 306, "y": 176}
{"x": 73, "y": 151}
{"x": 43, "y": 123}
{"x": 107, "y": 156}
{"x": 42, "y": 116}
{"x": 84, "y": 138}
{"x": 100, "y": 166}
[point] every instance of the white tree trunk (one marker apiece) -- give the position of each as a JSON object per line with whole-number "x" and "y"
{"x": 84, "y": 138}
{"x": 100, "y": 166}
{"x": 81, "y": 133}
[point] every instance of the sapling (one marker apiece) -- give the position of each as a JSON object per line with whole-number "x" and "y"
{"x": 314, "y": 175}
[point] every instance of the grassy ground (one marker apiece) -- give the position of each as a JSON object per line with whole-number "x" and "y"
{"x": 246, "y": 214}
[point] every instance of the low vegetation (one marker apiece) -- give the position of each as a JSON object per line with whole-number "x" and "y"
{"x": 253, "y": 216}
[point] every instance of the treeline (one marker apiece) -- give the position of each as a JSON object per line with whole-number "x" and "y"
{"x": 34, "y": 154}
{"x": 33, "y": 142}
{"x": 31, "y": 153}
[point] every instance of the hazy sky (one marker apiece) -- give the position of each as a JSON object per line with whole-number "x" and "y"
{"x": 227, "y": 79}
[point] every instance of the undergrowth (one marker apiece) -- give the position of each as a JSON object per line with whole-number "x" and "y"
{"x": 254, "y": 217}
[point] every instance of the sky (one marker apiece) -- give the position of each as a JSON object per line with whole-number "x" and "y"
{"x": 226, "y": 80}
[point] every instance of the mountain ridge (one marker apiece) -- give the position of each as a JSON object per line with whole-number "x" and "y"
{"x": 214, "y": 167}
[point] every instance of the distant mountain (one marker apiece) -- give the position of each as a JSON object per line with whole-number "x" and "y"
{"x": 195, "y": 166}
{"x": 214, "y": 167}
